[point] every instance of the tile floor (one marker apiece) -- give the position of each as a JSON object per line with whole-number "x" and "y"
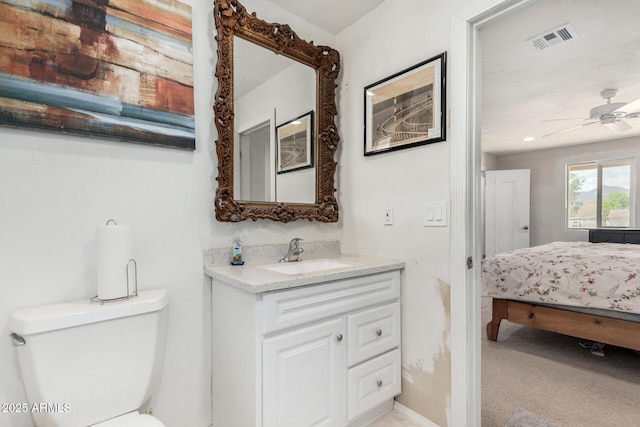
{"x": 394, "y": 419}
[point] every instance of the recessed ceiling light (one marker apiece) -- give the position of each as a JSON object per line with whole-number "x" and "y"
{"x": 528, "y": 139}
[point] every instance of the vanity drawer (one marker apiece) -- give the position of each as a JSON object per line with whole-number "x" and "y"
{"x": 372, "y": 383}
{"x": 372, "y": 332}
{"x": 285, "y": 309}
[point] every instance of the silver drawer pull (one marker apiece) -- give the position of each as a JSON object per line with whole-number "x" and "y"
{"x": 379, "y": 382}
{"x": 379, "y": 332}
{"x": 339, "y": 337}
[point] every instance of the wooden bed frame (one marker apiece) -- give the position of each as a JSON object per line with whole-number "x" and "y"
{"x": 607, "y": 330}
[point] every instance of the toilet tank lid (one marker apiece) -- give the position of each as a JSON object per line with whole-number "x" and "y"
{"x": 33, "y": 320}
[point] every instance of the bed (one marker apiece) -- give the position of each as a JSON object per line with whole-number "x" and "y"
{"x": 589, "y": 290}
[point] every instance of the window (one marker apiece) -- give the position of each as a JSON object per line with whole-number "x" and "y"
{"x": 600, "y": 194}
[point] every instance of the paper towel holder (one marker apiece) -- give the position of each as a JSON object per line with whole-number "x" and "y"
{"x": 129, "y": 294}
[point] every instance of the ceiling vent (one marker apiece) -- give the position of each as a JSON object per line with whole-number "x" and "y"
{"x": 554, "y": 37}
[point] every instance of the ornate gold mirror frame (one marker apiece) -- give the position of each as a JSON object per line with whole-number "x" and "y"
{"x": 231, "y": 19}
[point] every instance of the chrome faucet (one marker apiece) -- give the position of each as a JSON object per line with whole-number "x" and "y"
{"x": 294, "y": 251}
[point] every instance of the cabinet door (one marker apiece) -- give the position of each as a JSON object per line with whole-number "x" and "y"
{"x": 303, "y": 376}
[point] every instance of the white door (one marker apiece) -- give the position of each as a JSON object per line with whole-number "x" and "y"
{"x": 303, "y": 376}
{"x": 506, "y": 210}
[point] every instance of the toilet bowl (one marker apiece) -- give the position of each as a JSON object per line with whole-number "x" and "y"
{"x": 98, "y": 362}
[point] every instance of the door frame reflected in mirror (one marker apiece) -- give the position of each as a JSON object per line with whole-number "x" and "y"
{"x": 256, "y": 167}
{"x": 231, "y": 18}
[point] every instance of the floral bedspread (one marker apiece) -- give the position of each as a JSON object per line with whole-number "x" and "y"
{"x": 595, "y": 275}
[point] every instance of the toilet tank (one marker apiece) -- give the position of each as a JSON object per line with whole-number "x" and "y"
{"x": 84, "y": 362}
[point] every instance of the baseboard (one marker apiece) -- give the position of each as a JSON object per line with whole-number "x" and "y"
{"x": 399, "y": 407}
{"x": 415, "y": 417}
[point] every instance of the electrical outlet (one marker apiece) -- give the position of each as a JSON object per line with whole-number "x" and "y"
{"x": 388, "y": 215}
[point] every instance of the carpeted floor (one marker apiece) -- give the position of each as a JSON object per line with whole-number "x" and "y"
{"x": 552, "y": 376}
{"x": 524, "y": 418}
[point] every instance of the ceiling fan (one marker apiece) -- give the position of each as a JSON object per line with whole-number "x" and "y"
{"x": 610, "y": 114}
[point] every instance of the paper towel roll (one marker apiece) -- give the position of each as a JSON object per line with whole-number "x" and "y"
{"x": 113, "y": 251}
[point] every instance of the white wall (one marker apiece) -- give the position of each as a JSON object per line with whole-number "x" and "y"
{"x": 548, "y": 169}
{"x": 395, "y": 36}
{"x": 488, "y": 162}
{"x": 54, "y": 190}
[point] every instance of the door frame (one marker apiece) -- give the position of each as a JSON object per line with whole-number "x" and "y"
{"x": 464, "y": 115}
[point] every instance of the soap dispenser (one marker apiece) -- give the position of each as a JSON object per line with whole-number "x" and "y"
{"x": 236, "y": 258}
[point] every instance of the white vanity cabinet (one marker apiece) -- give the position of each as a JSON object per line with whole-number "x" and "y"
{"x": 327, "y": 354}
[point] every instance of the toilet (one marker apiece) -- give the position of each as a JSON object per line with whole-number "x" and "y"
{"x": 89, "y": 363}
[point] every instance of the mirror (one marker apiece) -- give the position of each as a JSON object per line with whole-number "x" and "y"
{"x": 268, "y": 89}
{"x": 269, "y": 166}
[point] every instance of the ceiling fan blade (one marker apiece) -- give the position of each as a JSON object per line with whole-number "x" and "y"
{"x": 618, "y": 126}
{"x": 570, "y": 129}
{"x": 562, "y": 120}
{"x": 629, "y": 108}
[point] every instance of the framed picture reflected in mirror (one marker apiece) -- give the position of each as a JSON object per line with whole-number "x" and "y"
{"x": 294, "y": 147}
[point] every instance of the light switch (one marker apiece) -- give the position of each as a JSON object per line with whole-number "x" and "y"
{"x": 430, "y": 214}
{"x": 438, "y": 213}
{"x": 435, "y": 214}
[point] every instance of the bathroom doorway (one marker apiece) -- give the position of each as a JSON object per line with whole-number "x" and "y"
{"x": 255, "y": 166}
{"x": 466, "y": 240}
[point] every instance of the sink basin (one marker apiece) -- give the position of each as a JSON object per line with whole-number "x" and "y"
{"x": 308, "y": 266}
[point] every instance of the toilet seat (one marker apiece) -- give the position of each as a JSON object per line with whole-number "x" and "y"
{"x": 132, "y": 419}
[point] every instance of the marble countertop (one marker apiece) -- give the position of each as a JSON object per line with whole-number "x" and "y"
{"x": 255, "y": 278}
